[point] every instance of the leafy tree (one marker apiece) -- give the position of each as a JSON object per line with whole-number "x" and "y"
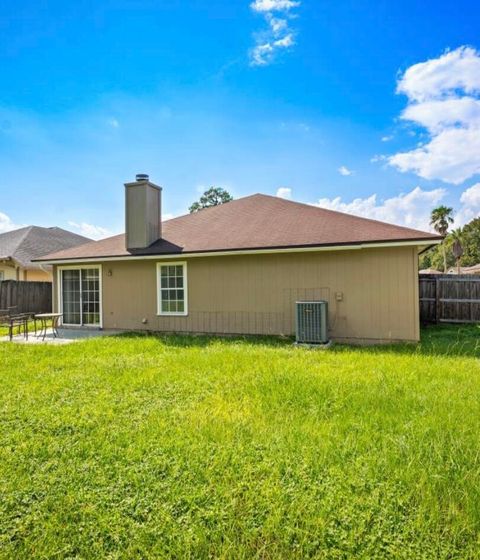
{"x": 212, "y": 197}
{"x": 440, "y": 219}
{"x": 426, "y": 259}
{"x": 469, "y": 236}
{"x": 471, "y": 243}
{"x": 433, "y": 258}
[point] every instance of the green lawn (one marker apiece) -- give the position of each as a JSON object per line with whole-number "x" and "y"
{"x": 177, "y": 447}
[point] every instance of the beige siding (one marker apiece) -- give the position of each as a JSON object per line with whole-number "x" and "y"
{"x": 23, "y": 274}
{"x": 9, "y": 272}
{"x": 256, "y": 294}
{"x": 37, "y": 275}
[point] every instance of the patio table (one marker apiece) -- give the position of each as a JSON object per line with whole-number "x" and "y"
{"x": 44, "y": 319}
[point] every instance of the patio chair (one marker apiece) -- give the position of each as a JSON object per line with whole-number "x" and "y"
{"x": 12, "y": 320}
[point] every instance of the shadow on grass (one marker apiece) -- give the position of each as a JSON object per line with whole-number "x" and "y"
{"x": 443, "y": 340}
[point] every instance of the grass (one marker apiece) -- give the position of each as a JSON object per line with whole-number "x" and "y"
{"x": 177, "y": 447}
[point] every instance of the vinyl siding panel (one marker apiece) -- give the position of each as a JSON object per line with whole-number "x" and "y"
{"x": 35, "y": 275}
{"x": 9, "y": 272}
{"x": 30, "y": 275}
{"x": 256, "y": 294}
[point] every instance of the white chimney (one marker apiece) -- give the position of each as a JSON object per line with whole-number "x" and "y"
{"x": 143, "y": 210}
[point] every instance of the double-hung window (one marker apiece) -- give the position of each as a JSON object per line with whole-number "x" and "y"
{"x": 172, "y": 288}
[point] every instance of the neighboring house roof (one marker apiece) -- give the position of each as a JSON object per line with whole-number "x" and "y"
{"x": 475, "y": 269}
{"x": 31, "y": 242}
{"x": 254, "y": 222}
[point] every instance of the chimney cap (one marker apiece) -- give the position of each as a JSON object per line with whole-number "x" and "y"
{"x": 142, "y": 177}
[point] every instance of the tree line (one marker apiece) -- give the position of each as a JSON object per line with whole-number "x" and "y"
{"x": 460, "y": 246}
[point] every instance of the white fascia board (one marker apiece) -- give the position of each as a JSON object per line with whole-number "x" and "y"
{"x": 318, "y": 249}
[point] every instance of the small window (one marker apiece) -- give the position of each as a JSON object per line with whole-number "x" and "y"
{"x": 172, "y": 288}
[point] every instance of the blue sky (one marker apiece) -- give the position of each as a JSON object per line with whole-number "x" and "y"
{"x": 340, "y": 103}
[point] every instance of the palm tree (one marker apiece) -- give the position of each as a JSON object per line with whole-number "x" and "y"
{"x": 457, "y": 246}
{"x": 441, "y": 218}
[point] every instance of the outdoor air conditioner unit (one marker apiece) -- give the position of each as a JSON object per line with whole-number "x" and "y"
{"x": 312, "y": 322}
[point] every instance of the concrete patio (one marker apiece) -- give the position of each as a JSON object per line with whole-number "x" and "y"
{"x": 67, "y": 336}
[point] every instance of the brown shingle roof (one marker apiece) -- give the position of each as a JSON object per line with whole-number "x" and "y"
{"x": 254, "y": 222}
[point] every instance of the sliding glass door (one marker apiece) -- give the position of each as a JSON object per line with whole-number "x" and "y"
{"x": 90, "y": 296}
{"x": 71, "y": 297}
{"x": 80, "y": 296}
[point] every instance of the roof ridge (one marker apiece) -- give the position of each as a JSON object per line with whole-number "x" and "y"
{"x": 214, "y": 206}
{"x": 22, "y": 238}
{"x": 18, "y": 242}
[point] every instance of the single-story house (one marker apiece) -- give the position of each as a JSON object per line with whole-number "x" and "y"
{"x": 240, "y": 268}
{"x": 475, "y": 269}
{"x": 18, "y": 249}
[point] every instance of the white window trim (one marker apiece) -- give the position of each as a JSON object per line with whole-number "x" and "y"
{"x": 60, "y": 293}
{"x": 159, "y": 289}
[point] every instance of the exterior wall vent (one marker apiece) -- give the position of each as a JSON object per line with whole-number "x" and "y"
{"x": 311, "y": 322}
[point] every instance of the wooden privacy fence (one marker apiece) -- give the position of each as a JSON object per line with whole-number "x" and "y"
{"x": 35, "y": 297}
{"x": 448, "y": 298}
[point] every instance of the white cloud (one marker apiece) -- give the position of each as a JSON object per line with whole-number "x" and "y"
{"x": 277, "y": 25}
{"x": 343, "y": 170}
{"x": 114, "y": 123}
{"x": 411, "y": 209}
{"x": 452, "y": 156}
{"x": 167, "y": 216}
{"x": 264, "y": 54}
{"x": 284, "y": 42}
{"x": 471, "y": 196}
{"x": 261, "y": 55}
{"x": 90, "y": 230}
{"x": 436, "y": 115}
{"x": 386, "y": 138}
{"x": 444, "y": 98}
{"x": 284, "y": 192}
{"x": 444, "y": 76}
{"x": 7, "y": 224}
{"x": 273, "y": 5}
{"x": 278, "y": 36}
{"x": 470, "y": 207}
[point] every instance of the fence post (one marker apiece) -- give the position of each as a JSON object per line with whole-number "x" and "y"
{"x": 437, "y": 300}
{"x": 9, "y": 295}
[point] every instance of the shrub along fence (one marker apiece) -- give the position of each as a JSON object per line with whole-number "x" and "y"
{"x": 449, "y": 298}
{"x": 35, "y": 297}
